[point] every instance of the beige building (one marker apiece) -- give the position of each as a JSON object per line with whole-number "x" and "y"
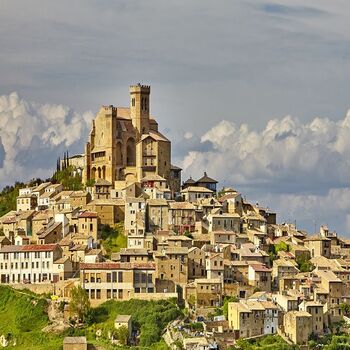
{"x": 172, "y": 266}
{"x": 88, "y": 224}
{"x": 246, "y": 318}
{"x": 75, "y": 343}
{"x": 109, "y": 211}
{"x": 224, "y": 221}
{"x": 196, "y": 263}
{"x": 259, "y": 276}
{"x": 297, "y": 326}
{"x": 193, "y": 193}
{"x": 125, "y": 144}
{"x": 318, "y": 316}
{"x": 123, "y": 321}
{"x": 157, "y": 214}
{"x": 318, "y": 246}
{"x": 117, "y": 280}
{"x": 26, "y": 202}
{"x": 182, "y": 217}
{"x": 205, "y": 292}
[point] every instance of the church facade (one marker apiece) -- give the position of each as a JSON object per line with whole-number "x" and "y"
{"x": 125, "y": 144}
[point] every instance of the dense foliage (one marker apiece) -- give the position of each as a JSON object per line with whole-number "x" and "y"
{"x": 23, "y": 316}
{"x": 113, "y": 238}
{"x": 150, "y": 317}
{"x": 8, "y": 198}
{"x": 67, "y": 178}
{"x": 275, "y": 248}
{"x": 304, "y": 264}
{"x": 269, "y": 342}
{"x": 338, "y": 342}
{"x": 79, "y": 305}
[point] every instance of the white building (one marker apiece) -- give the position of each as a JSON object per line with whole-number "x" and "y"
{"x": 29, "y": 263}
{"x": 193, "y": 193}
{"x": 270, "y": 317}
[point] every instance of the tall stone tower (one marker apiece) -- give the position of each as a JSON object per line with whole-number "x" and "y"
{"x": 139, "y": 108}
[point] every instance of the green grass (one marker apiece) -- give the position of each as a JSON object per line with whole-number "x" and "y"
{"x": 23, "y": 316}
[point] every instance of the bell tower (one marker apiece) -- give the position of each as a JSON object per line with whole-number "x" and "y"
{"x": 139, "y": 107}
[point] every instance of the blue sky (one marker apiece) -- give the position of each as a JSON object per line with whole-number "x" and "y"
{"x": 249, "y": 63}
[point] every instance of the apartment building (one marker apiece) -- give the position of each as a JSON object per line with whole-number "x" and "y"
{"x": 297, "y": 326}
{"x": 117, "y": 280}
{"x": 206, "y": 292}
{"x": 246, "y": 318}
{"x": 29, "y": 263}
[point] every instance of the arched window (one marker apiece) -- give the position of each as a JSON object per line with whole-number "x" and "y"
{"x": 130, "y": 152}
{"x": 119, "y": 154}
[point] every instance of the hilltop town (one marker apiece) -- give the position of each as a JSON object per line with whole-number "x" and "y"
{"x": 136, "y": 230}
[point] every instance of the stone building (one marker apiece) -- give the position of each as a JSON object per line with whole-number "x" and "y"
{"x": 125, "y": 144}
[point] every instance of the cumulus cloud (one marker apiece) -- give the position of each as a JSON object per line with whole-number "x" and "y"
{"x": 286, "y": 155}
{"x": 302, "y": 169}
{"x": 33, "y": 135}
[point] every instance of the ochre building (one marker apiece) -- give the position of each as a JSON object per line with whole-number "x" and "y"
{"x": 125, "y": 144}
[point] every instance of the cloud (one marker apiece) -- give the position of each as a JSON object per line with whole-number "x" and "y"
{"x": 286, "y": 155}
{"x": 301, "y": 169}
{"x": 286, "y": 10}
{"x": 33, "y": 136}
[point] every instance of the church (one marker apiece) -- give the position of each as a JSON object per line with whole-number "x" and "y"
{"x": 125, "y": 145}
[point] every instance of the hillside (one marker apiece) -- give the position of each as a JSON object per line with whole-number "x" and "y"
{"x": 9, "y": 194}
{"x": 23, "y": 316}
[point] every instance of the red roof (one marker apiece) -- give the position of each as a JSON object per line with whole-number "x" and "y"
{"x": 39, "y": 247}
{"x": 88, "y": 214}
{"x": 260, "y": 268}
{"x": 117, "y": 266}
{"x": 10, "y": 220}
{"x": 29, "y": 248}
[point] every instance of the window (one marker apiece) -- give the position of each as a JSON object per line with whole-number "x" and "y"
{"x": 114, "y": 276}
{"x": 120, "y": 276}
{"x": 98, "y": 278}
{"x": 108, "y": 277}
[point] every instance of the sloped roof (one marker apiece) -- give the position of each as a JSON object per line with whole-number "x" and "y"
{"x": 189, "y": 181}
{"x": 206, "y": 179}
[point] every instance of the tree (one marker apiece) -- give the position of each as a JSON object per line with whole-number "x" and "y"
{"x": 304, "y": 264}
{"x": 80, "y": 303}
{"x": 225, "y": 305}
{"x": 345, "y": 308}
{"x": 192, "y": 301}
{"x": 122, "y": 334}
